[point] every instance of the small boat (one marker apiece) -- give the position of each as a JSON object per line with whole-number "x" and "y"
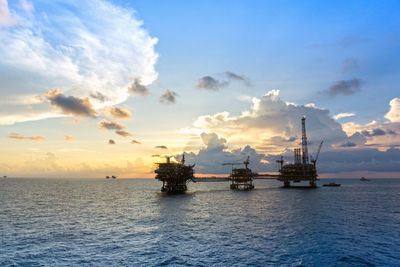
{"x": 364, "y": 179}
{"x": 331, "y": 184}
{"x": 5, "y": 176}
{"x": 114, "y": 177}
{"x": 107, "y": 177}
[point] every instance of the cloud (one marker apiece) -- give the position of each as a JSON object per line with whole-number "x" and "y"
{"x": 343, "y": 115}
{"x": 394, "y": 113}
{"x": 26, "y": 6}
{"x": 137, "y": 88}
{"x": 210, "y": 158}
{"x": 242, "y": 78}
{"x": 111, "y": 142}
{"x": 382, "y": 136}
{"x": 71, "y": 105}
{"x": 377, "y": 132}
{"x": 123, "y": 133}
{"x": 359, "y": 160}
{"x": 344, "y": 87}
{"x": 110, "y": 125}
{"x": 270, "y": 116}
{"x": 17, "y": 136}
{"x": 75, "y": 47}
{"x": 99, "y": 96}
{"x": 169, "y": 97}
{"x": 6, "y": 18}
{"x": 210, "y": 83}
{"x": 161, "y": 147}
{"x": 356, "y": 139}
{"x": 348, "y": 144}
{"x": 213, "y": 84}
{"x": 135, "y": 142}
{"x": 69, "y": 137}
{"x": 212, "y": 141}
{"x": 350, "y": 64}
{"x": 118, "y": 113}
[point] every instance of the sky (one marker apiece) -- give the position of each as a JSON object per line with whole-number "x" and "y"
{"x": 93, "y": 87}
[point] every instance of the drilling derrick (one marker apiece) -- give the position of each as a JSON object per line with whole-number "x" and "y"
{"x": 301, "y": 169}
{"x": 241, "y": 178}
{"x": 174, "y": 175}
{"x": 304, "y": 140}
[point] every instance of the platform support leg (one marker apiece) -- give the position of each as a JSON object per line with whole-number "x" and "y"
{"x": 286, "y": 184}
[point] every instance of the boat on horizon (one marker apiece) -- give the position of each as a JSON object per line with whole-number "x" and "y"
{"x": 364, "y": 179}
{"x": 331, "y": 184}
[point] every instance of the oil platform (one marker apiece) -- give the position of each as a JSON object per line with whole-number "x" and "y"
{"x": 241, "y": 178}
{"x": 301, "y": 169}
{"x": 174, "y": 175}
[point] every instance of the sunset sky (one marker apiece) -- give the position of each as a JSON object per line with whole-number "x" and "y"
{"x": 92, "y": 88}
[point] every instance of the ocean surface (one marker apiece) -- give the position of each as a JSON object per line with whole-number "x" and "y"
{"x": 128, "y": 222}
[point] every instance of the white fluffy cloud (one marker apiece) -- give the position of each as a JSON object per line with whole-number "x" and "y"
{"x": 270, "y": 117}
{"x": 394, "y": 113}
{"x": 84, "y": 48}
{"x": 343, "y": 115}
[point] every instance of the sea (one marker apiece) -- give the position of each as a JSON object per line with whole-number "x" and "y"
{"x": 128, "y": 222}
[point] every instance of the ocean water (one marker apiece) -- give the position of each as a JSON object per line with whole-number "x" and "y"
{"x": 127, "y": 222}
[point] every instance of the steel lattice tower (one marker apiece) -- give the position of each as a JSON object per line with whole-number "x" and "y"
{"x": 304, "y": 140}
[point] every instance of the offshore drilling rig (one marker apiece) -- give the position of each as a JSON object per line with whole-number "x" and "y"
{"x": 301, "y": 169}
{"x": 241, "y": 178}
{"x": 174, "y": 175}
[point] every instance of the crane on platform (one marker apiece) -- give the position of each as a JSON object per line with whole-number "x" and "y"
{"x": 280, "y": 161}
{"x": 246, "y": 163}
{"x": 314, "y": 161}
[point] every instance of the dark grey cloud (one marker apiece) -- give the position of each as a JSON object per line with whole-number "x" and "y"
{"x": 210, "y": 83}
{"x": 169, "y": 97}
{"x": 118, "y": 113}
{"x": 123, "y": 133}
{"x": 350, "y": 64}
{"x": 110, "y": 125}
{"x": 214, "y": 84}
{"x": 161, "y": 147}
{"x": 111, "y": 142}
{"x": 344, "y": 87}
{"x": 71, "y": 105}
{"x": 348, "y": 144}
{"x": 242, "y": 78}
{"x": 17, "y": 136}
{"x": 135, "y": 142}
{"x": 378, "y": 132}
{"x": 360, "y": 160}
{"x": 136, "y": 88}
{"x": 99, "y": 96}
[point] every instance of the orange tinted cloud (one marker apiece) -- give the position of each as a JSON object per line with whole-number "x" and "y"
{"x": 17, "y": 136}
